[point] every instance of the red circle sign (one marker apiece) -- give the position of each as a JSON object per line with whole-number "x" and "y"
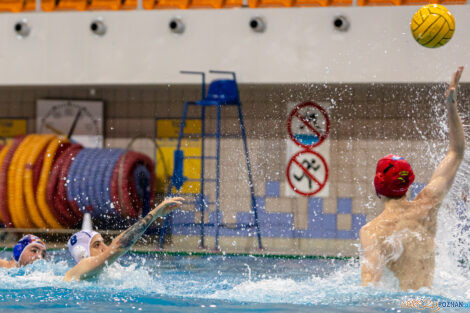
{"x": 306, "y": 164}
{"x": 312, "y": 131}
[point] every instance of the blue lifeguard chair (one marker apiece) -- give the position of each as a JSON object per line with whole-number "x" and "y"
{"x": 221, "y": 93}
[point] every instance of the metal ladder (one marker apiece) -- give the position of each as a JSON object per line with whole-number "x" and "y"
{"x": 221, "y": 93}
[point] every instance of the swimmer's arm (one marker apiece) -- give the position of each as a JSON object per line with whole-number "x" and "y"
{"x": 4, "y": 263}
{"x": 126, "y": 239}
{"x": 443, "y": 177}
{"x": 371, "y": 267}
{"x": 121, "y": 244}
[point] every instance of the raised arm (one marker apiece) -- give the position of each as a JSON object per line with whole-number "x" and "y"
{"x": 371, "y": 259}
{"x": 444, "y": 175}
{"x": 121, "y": 244}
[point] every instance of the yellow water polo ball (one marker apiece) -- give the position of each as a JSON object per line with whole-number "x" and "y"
{"x": 433, "y": 25}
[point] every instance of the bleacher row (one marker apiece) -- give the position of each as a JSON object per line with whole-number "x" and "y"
{"x": 82, "y": 5}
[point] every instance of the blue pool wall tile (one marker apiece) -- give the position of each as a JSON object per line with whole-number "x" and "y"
{"x": 276, "y": 225}
{"x": 358, "y": 220}
{"x": 344, "y": 234}
{"x": 273, "y": 189}
{"x": 344, "y": 205}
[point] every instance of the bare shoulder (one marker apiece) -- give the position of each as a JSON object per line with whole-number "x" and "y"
{"x": 373, "y": 232}
{"x": 367, "y": 232}
{"x": 371, "y": 227}
{"x": 424, "y": 205}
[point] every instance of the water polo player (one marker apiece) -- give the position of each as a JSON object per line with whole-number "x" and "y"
{"x": 28, "y": 249}
{"x": 92, "y": 254}
{"x": 402, "y": 236}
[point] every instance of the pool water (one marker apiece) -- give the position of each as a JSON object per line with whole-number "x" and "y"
{"x": 214, "y": 283}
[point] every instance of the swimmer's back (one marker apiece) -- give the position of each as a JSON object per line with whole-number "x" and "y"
{"x": 406, "y": 241}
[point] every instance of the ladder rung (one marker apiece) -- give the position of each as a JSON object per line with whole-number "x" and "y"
{"x": 235, "y": 225}
{"x": 192, "y": 134}
{"x": 224, "y": 135}
{"x": 232, "y": 136}
{"x": 193, "y": 224}
{"x": 198, "y": 180}
{"x": 200, "y": 157}
{"x": 207, "y": 203}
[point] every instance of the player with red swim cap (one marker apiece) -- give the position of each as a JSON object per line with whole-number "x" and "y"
{"x": 393, "y": 176}
{"x": 402, "y": 236}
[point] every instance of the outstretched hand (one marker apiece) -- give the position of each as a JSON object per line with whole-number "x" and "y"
{"x": 455, "y": 80}
{"x": 168, "y": 205}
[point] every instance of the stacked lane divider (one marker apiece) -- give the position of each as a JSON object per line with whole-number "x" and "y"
{"x": 16, "y": 201}
{"x": 3, "y": 154}
{"x": 126, "y": 186}
{"x": 59, "y": 192}
{"x": 53, "y": 149}
{"x": 103, "y": 182}
{"x": 48, "y": 182}
{"x": 52, "y": 180}
{"x": 4, "y": 183}
{"x": 34, "y": 213}
{"x": 102, "y": 186}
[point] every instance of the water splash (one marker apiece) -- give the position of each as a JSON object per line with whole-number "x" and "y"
{"x": 142, "y": 280}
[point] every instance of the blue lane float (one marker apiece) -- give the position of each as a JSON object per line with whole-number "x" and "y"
{"x": 91, "y": 175}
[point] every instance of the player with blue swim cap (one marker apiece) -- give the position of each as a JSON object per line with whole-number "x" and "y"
{"x": 88, "y": 249}
{"x": 28, "y": 249}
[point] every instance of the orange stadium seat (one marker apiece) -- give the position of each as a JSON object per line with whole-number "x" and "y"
{"x": 378, "y": 2}
{"x": 233, "y": 3}
{"x": 105, "y": 5}
{"x": 166, "y": 4}
{"x": 407, "y": 2}
{"x": 322, "y": 3}
{"x": 270, "y": 3}
{"x": 30, "y": 5}
{"x": 53, "y": 5}
{"x": 215, "y": 4}
{"x": 17, "y": 5}
{"x": 193, "y": 4}
{"x": 297, "y": 3}
{"x": 444, "y": 2}
{"x": 129, "y": 5}
{"x": 113, "y": 5}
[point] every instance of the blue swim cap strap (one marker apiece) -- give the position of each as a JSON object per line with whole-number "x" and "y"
{"x": 19, "y": 247}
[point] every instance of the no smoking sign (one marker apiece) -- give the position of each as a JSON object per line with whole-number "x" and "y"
{"x": 307, "y": 172}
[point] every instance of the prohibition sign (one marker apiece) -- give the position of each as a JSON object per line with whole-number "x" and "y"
{"x": 313, "y": 130}
{"x": 304, "y": 164}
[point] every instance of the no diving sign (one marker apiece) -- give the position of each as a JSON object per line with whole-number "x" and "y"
{"x": 308, "y": 125}
{"x": 307, "y": 172}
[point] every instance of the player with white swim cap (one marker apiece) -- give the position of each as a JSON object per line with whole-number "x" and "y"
{"x": 92, "y": 254}
{"x": 79, "y": 244}
{"x": 402, "y": 236}
{"x": 28, "y": 249}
